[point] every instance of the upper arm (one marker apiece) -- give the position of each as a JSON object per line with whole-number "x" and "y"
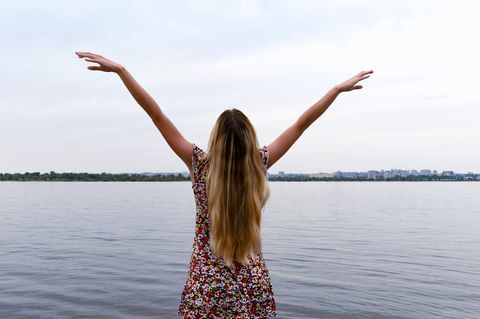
{"x": 283, "y": 143}
{"x": 174, "y": 138}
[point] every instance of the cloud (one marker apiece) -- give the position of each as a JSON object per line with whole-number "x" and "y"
{"x": 272, "y": 59}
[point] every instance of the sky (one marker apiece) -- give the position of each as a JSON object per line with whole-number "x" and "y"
{"x": 270, "y": 59}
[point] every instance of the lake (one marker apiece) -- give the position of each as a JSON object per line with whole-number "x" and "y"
{"x": 334, "y": 249}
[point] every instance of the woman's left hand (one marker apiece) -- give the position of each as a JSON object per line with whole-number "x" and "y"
{"x": 105, "y": 64}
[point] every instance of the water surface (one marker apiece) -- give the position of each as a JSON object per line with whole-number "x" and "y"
{"x": 334, "y": 249}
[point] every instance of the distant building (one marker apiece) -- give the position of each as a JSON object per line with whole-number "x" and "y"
{"x": 363, "y": 174}
{"x": 340, "y": 174}
{"x": 426, "y": 172}
{"x": 391, "y": 173}
{"x": 448, "y": 173}
{"x": 404, "y": 173}
{"x": 373, "y": 175}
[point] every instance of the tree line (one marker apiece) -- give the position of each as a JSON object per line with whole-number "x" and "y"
{"x": 168, "y": 177}
{"x": 92, "y": 177}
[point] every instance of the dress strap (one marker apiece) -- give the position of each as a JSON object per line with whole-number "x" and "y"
{"x": 197, "y": 160}
{"x": 264, "y": 154}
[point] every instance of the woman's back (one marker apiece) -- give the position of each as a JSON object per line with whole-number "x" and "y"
{"x": 212, "y": 289}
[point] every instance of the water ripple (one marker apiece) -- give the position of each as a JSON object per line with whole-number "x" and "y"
{"x": 334, "y": 250}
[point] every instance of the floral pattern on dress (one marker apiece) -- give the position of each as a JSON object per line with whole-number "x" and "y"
{"x": 212, "y": 289}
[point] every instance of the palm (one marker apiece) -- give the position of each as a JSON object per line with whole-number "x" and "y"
{"x": 105, "y": 64}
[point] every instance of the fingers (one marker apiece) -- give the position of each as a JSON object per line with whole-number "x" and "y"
{"x": 95, "y": 68}
{"x": 87, "y": 54}
{"x": 364, "y": 77}
{"x": 363, "y": 73}
{"x": 84, "y": 54}
{"x": 366, "y": 72}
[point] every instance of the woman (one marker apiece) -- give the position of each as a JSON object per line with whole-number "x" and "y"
{"x": 228, "y": 277}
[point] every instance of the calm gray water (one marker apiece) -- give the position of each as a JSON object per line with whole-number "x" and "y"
{"x": 334, "y": 249}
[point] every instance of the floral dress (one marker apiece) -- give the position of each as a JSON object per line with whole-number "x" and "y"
{"x": 212, "y": 289}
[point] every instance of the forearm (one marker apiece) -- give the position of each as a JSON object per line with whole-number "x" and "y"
{"x": 317, "y": 109}
{"x": 139, "y": 94}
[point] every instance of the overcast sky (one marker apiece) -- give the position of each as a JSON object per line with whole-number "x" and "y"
{"x": 270, "y": 59}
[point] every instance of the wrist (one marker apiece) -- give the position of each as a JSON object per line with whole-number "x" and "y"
{"x": 120, "y": 70}
{"x": 337, "y": 89}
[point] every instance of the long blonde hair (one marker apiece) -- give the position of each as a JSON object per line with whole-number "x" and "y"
{"x": 237, "y": 188}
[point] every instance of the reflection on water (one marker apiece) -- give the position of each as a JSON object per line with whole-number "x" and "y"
{"x": 334, "y": 249}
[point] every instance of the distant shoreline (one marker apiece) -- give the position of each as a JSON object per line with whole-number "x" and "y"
{"x": 185, "y": 177}
{"x": 316, "y": 181}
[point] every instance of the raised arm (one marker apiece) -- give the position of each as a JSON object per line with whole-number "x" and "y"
{"x": 282, "y": 144}
{"x": 174, "y": 138}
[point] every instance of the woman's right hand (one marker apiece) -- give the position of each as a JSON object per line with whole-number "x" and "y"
{"x": 105, "y": 64}
{"x": 351, "y": 84}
